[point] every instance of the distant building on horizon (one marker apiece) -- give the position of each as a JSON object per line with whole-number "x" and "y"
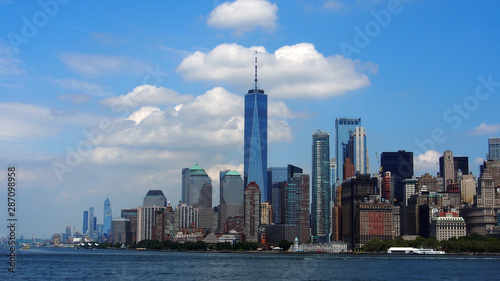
{"x": 107, "y": 219}
{"x": 255, "y": 139}
{"x": 321, "y": 188}
{"x": 154, "y": 198}
{"x": 85, "y": 228}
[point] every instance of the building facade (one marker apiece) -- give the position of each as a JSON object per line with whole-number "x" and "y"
{"x": 297, "y": 205}
{"x": 321, "y": 187}
{"x": 252, "y": 212}
{"x": 231, "y": 197}
{"x": 343, "y": 126}
{"x": 493, "y": 149}
{"x": 443, "y": 228}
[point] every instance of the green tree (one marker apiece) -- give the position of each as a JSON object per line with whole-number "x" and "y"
{"x": 285, "y": 244}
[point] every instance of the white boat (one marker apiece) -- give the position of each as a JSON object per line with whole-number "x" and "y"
{"x": 422, "y": 251}
{"x": 401, "y": 250}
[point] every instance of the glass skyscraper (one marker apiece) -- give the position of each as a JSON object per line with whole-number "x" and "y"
{"x": 321, "y": 188}
{"x": 108, "y": 219}
{"x": 231, "y": 197}
{"x": 85, "y": 222}
{"x": 493, "y": 149}
{"x": 343, "y": 129}
{"x": 255, "y": 140}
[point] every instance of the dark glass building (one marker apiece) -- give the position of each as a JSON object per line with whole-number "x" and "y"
{"x": 400, "y": 164}
{"x": 154, "y": 198}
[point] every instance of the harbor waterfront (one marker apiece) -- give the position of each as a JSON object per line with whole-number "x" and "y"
{"x": 103, "y": 264}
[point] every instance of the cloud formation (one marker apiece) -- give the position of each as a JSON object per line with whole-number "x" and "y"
{"x": 297, "y": 71}
{"x": 485, "y": 129}
{"x": 212, "y": 122}
{"x": 427, "y": 161}
{"x": 244, "y": 15}
{"x": 22, "y": 121}
{"x": 148, "y": 95}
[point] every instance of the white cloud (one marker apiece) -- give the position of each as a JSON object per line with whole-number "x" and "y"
{"x": 334, "y": 5}
{"x": 297, "y": 71}
{"x": 79, "y": 86}
{"x": 244, "y": 15}
{"x": 148, "y": 95}
{"x": 427, "y": 161}
{"x": 78, "y": 98}
{"x": 27, "y": 121}
{"x": 213, "y": 123}
{"x": 102, "y": 65}
{"x": 479, "y": 161}
{"x": 9, "y": 64}
{"x": 485, "y": 129}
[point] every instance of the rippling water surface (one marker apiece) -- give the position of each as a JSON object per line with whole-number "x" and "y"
{"x": 73, "y": 264}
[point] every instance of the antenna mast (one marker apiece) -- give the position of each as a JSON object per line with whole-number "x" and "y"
{"x": 256, "y": 87}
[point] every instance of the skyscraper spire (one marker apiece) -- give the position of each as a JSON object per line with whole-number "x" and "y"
{"x": 256, "y": 87}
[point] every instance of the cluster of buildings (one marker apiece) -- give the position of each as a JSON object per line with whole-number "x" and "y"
{"x": 340, "y": 201}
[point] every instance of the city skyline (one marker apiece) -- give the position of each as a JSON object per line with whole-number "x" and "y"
{"x": 112, "y": 108}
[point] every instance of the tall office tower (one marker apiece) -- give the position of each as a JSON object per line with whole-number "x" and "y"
{"x": 231, "y": 197}
{"x": 357, "y": 151}
{"x": 188, "y": 216}
{"x": 343, "y": 127}
{"x": 145, "y": 221}
{"x": 493, "y": 167}
{"x": 255, "y": 139}
{"x": 321, "y": 188}
{"x": 354, "y": 191}
{"x": 387, "y": 186}
{"x": 333, "y": 176}
{"x": 449, "y": 166}
{"x": 194, "y": 180}
{"x": 400, "y": 164}
{"x": 154, "y": 198}
{"x": 409, "y": 188}
{"x": 68, "y": 231}
{"x": 468, "y": 189}
{"x": 92, "y": 225}
{"x": 85, "y": 222}
{"x": 493, "y": 149}
{"x": 428, "y": 181}
{"x": 348, "y": 168}
{"x": 252, "y": 212}
{"x": 275, "y": 175}
{"x": 266, "y": 214}
{"x": 297, "y": 205}
{"x": 108, "y": 219}
{"x": 131, "y": 214}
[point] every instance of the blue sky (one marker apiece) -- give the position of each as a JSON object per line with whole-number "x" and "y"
{"x": 159, "y": 86}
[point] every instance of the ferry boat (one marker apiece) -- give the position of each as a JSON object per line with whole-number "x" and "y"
{"x": 422, "y": 251}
